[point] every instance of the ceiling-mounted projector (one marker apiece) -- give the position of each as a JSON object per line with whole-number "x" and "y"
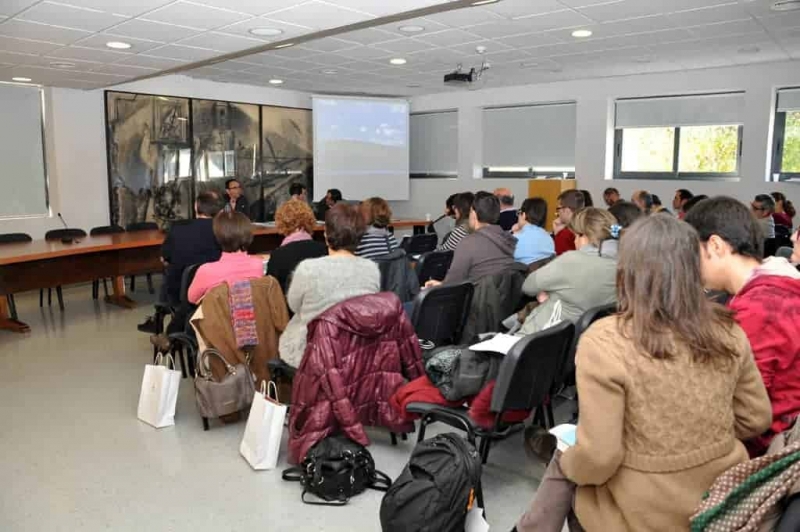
{"x": 460, "y": 78}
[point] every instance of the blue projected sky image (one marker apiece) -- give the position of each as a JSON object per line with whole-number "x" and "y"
{"x": 372, "y": 121}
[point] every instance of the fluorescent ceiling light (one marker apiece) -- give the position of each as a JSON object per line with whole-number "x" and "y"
{"x": 398, "y": 61}
{"x": 276, "y": 82}
{"x": 330, "y": 71}
{"x": 484, "y": 2}
{"x": 284, "y": 45}
{"x": 412, "y": 28}
{"x": 582, "y": 33}
{"x": 182, "y": 118}
{"x": 786, "y": 5}
{"x": 21, "y": 80}
{"x": 118, "y": 45}
{"x": 62, "y": 64}
{"x": 265, "y": 32}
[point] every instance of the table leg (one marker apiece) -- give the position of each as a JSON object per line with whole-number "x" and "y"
{"x": 10, "y": 324}
{"x": 118, "y": 297}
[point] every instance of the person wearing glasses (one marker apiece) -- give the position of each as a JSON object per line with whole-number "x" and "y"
{"x": 763, "y": 206}
{"x": 234, "y": 198}
{"x": 569, "y": 203}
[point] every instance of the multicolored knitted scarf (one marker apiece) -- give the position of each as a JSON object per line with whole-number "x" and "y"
{"x": 243, "y": 314}
{"x": 742, "y": 497}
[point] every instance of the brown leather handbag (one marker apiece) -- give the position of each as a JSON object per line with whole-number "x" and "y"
{"x": 217, "y": 398}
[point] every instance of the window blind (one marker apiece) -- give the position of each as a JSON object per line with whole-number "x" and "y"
{"x": 788, "y": 100}
{"x": 434, "y": 144}
{"x": 701, "y": 110}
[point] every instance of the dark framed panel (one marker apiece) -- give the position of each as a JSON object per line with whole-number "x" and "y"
{"x": 526, "y": 173}
{"x": 780, "y": 144}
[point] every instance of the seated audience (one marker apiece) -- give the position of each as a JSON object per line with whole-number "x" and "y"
{"x": 295, "y": 221}
{"x": 581, "y": 279}
{"x": 643, "y": 200}
{"x": 657, "y": 206}
{"x": 377, "y": 241}
{"x": 446, "y": 222}
{"x": 508, "y": 214}
{"x": 533, "y": 242}
{"x": 666, "y": 390}
{"x": 626, "y": 213}
{"x": 318, "y": 284}
{"x": 611, "y": 196}
{"x": 763, "y": 207}
{"x": 692, "y": 202}
{"x": 234, "y": 198}
{"x": 297, "y": 191}
{"x": 487, "y": 250}
{"x": 681, "y": 197}
{"x": 234, "y": 232}
{"x": 569, "y": 203}
{"x": 332, "y": 197}
{"x": 587, "y": 198}
{"x": 462, "y": 204}
{"x": 784, "y": 210}
{"x": 766, "y": 301}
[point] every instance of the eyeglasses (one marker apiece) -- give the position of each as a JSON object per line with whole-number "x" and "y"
{"x": 757, "y": 207}
{"x": 234, "y": 187}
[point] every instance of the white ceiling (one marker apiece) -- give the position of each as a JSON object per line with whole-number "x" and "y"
{"x": 527, "y": 41}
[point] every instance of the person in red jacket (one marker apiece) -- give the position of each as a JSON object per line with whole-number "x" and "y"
{"x": 569, "y": 202}
{"x": 766, "y": 301}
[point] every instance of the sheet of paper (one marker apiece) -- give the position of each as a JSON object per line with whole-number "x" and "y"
{"x": 501, "y": 343}
{"x": 475, "y": 521}
{"x": 566, "y": 435}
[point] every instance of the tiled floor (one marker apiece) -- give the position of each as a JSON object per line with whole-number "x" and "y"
{"x": 73, "y": 456}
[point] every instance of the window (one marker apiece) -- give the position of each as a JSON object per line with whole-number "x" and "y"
{"x": 24, "y": 176}
{"x": 687, "y": 137}
{"x": 530, "y": 141}
{"x": 434, "y": 144}
{"x": 786, "y": 153}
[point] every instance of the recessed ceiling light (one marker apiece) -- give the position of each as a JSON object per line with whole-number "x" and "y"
{"x": 284, "y": 45}
{"x": 412, "y": 28}
{"x": 749, "y": 49}
{"x": 118, "y": 45}
{"x": 21, "y": 80}
{"x": 484, "y": 2}
{"x": 582, "y": 33}
{"x": 276, "y": 82}
{"x": 265, "y": 32}
{"x": 786, "y": 5}
{"x": 330, "y": 71}
{"x": 62, "y": 64}
{"x": 398, "y": 61}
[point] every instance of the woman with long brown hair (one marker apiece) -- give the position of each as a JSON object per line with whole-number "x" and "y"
{"x": 667, "y": 390}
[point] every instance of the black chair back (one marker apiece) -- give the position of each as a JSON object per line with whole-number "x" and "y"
{"x": 440, "y": 313}
{"x": 106, "y": 230}
{"x": 528, "y": 371}
{"x": 419, "y": 244}
{"x": 433, "y": 266}
{"x": 781, "y": 231}
{"x": 397, "y": 275}
{"x": 15, "y": 238}
{"x": 58, "y": 234}
{"x": 141, "y": 226}
{"x": 186, "y": 281}
{"x": 583, "y": 323}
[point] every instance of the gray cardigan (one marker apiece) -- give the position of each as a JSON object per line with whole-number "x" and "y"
{"x": 581, "y": 280}
{"x": 317, "y": 285}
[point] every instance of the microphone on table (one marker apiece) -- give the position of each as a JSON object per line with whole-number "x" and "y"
{"x": 66, "y": 239}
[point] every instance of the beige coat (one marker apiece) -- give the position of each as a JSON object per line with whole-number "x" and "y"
{"x": 653, "y": 435}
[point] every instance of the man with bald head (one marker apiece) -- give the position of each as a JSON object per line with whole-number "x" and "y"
{"x": 508, "y": 214}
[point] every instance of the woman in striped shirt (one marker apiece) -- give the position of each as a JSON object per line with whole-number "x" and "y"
{"x": 461, "y": 207}
{"x": 377, "y": 241}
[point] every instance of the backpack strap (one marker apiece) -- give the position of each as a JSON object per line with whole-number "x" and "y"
{"x": 381, "y": 482}
{"x": 293, "y": 474}
{"x": 340, "y": 502}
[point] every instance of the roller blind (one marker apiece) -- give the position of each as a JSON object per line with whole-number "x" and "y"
{"x": 788, "y": 100}
{"x": 702, "y": 110}
{"x": 22, "y": 174}
{"x": 538, "y": 136}
{"x": 434, "y": 144}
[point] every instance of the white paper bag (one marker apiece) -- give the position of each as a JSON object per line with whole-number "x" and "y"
{"x": 261, "y": 443}
{"x": 159, "y": 393}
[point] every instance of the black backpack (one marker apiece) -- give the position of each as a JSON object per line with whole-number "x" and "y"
{"x": 436, "y": 489}
{"x": 335, "y": 469}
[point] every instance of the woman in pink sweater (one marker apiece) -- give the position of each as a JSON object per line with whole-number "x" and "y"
{"x": 234, "y": 233}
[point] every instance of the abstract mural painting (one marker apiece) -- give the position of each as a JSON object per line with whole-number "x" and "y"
{"x": 149, "y": 158}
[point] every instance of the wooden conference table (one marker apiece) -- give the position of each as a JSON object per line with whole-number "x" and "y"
{"x": 41, "y": 264}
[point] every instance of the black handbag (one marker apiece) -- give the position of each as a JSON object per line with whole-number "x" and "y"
{"x": 334, "y": 470}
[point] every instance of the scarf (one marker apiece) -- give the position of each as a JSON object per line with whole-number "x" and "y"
{"x": 297, "y": 236}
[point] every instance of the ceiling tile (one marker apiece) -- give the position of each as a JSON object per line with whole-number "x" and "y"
{"x": 222, "y": 42}
{"x": 153, "y": 31}
{"x": 380, "y": 9}
{"x": 12, "y": 7}
{"x": 329, "y": 44}
{"x": 528, "y": 40}
{"x": 737, "y": 27}
{"x": 125, "y": 70}
{"x": 584, "y": 3}
{"x": 460, "y": 18}
{"x": 364, "y": 66}
{"x": 330, "y": 59}
{"x": 319, "y": 15}
{"x": 70, "y": 17}
{"x": 10, "y": 44}
{"x": 41, "y": 32}
{"x": 243, "y": 29}
{"x": 195, "y": 16}
{"x": 625, "y": 9}
{"x": 403, "y": 46}
{"x": 368, "y": 36}
{"x": 252, "y": 7}
{"x": 16, "y": 58}
{"x": 147, "y": 61}
{"x": 99, "y": 40}
{"x": 231, "y": 66}
{"x": 510, "y": 56}
{"x": 523, "y": 8}
{"x": 365, "y": 52}
{"x": 429, "y": 25}
{"x": 491, "y": 46}
{"x": 295, "y": 52}
{"x": 493, "y": 30}
{"x": 450, "y": 38}
{"x": 446, "y": 55}
{"x": 182, "y": 53}
{"x": 77, "y": 65}
{"x": 88, "y": 54}
{"x": 709, "y": 15}
{"x": 553, "y": 21}
{"x": 128, "y": 8}
{"x": 783, "y": 21}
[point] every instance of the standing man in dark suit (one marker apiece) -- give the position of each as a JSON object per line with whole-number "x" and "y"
{"x": 234, "y": 198}
{"x": 508, "y": 214}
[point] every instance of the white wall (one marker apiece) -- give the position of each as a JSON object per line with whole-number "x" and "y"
{"x": 76, "y": 145}
{"x": 594, "y": 142}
